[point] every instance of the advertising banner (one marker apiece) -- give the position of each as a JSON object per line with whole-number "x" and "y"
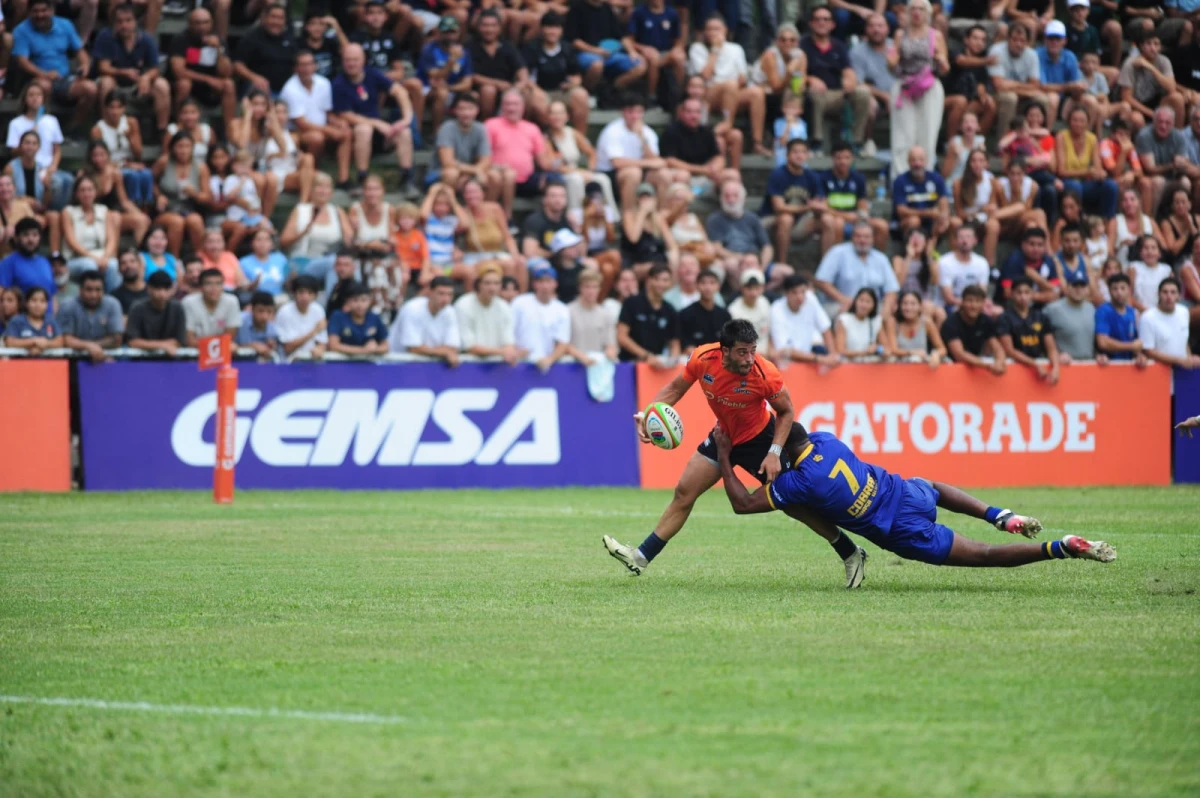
{"x": 35, "y": 425}
{"x": 357, "y": 426}
{"x": 1187, "y": 404}
{"x": 1098, "y": 426}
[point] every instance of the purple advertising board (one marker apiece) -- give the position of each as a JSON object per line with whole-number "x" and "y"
{"x": 1187, "y": 404}
{"x": 357, "y": 426}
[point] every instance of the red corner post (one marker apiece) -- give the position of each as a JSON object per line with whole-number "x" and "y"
{"x": 216, "y": 352}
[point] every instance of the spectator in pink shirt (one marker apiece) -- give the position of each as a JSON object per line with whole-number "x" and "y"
{"x": 518, "y": 147}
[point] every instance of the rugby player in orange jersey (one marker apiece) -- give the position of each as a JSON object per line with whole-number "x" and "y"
{"x": 742, "y": 388}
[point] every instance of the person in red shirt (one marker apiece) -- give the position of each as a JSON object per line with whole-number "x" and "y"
{"x": 742, "y": 388}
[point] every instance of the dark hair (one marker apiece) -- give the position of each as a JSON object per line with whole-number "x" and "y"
{"x": 89, "y": 276}
{"x": 838, "y": 146}
{"x": 262, "y": 299}
{"x": 441, "y": 281}
{"x": 874, "y": 301}
{"x": 632, "y": 100}
{"x": 89, "y": 168}
{"x": 1018, "y": 26}
{"x": 159, "y": 279}
{"x": 124, "y": 8}
{"x": 924, "y": 274}
{"x": 355, "y": 290}
{"x": 508, "y": 281}
{"x": 718, "y": 16}
{"x": 1071, "y": 227}
{"x": 658, "y": 269}
{"x": 1119, "y": 277}
{"x": 812, "y": 12}
{"x": 900, "y": 301}
{"x": 1030, "y": 106}
{"x": 345, "y": 253}
{"x": 552, "y": 19}
{"x": 213, "y": 150}
{"x": 794, "y": 281}
{"x": 27, "y": 134}
{"x": 150, "y": 231}
{"x": 1073, "y": 194}
{"x": 37, "y": 289}
{"x": 465, "y": 97}
{"x": 490, "y": 13}
{"x": 41, "y": 3}
{"x": 306, "y": 282}
{"x": 179, "y": 136}
{"x": 79, "y": 182}
{"x": 737, "y": 331}
{"x": 1166, "y": 281}
{"x": 1142, "y": 35}
{"x": 113, "y": 98}
{"x": 1119, "y": 124}
{"x": 707, "y": 273}
{"x": 974, "y": 28}
{"x": 796, "y": 143}
{"x": 974, "y": 291}
{"x": 18, "y": 293}
{"x": 207, "y": 273}
{"x": 25, "y": 225}
{"x": 1032, "y": 232}
{"x": 1022, "y": 281}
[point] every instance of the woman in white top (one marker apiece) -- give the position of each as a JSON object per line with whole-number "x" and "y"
{"x": 574, "y": 158}
{"x": 315, "y": 231}
{"x": 123, "y": 136}
{"x": 1127, "y": 226}
{"x": 976, "y": 200}
{"x": 33, "y": 116}
{"x": 723, "y": 66}
{"x": 91, "y": 233}
{"x": 856, "y": 332}
{"x": 372, "y": 221}
{"x": 958, "y": 148}
{"x": 1147, "y": 273}
{"x": 263, "y": 131}
{"x": 781, "y": 64}
{"x": 188, "y": 119}
{"x": 1015, "y": 203}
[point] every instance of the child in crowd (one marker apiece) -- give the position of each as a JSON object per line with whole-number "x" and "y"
{"x": 510, "y": 289}
{"x": 34, "y": 330}
{"x": 411, "y": 246}
{"x": 1098, "y": 87}
{"x": 258, "y": 326}
{"x": 444, "y": 221}
{"x": 1097, "y": 241}
{"x": 1120, "y": 159}
{"x": 789, "y": 126}
{"x": 246, "y": 207}
{"x": 355, "y": 329}
{"x": 1100, "y": 293}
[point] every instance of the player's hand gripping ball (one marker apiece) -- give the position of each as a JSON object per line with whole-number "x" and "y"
{"x": 663, "y": 425}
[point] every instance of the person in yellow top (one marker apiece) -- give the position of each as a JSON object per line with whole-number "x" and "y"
{"x": 1079, "y": 166}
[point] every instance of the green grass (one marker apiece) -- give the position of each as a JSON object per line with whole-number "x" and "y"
{"x": 525, "y": 662}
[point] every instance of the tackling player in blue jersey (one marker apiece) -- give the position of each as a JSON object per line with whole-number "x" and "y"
{"x": 896, "y": 514}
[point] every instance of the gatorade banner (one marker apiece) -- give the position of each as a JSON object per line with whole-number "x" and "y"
{"x": 35, "y": 425}
{"x": 1098, "y": 426}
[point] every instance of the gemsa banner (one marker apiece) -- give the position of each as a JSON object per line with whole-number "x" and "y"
{"x": 357, "y": 426}
{"x": 35, "y": 425}
{"x": 1187, "y": 404}
{"x": 1098, "y": 426}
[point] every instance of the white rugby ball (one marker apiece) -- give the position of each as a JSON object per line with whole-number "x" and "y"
{"x": 664, "y": 426}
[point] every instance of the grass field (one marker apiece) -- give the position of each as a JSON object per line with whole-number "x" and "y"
{"x": 499, "y": 651}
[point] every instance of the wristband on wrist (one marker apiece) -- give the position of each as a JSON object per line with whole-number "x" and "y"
{"x": 775, "y": 449}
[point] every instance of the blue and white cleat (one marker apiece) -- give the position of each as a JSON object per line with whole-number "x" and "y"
{"x": 628, "y": 556}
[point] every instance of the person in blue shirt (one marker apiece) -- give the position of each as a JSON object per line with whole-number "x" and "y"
{"x": 356, "y": 95}
{"x": 35, "y": 330}
{"x": 1070, "y": 263}
{"x": 265, "y": 267}
{"x": 1031, "y": 259}
{"x": 1116, "y": 324}
{"x": 846, "y": 195}
{"x": 1061, "y": 78}
{"x": 258, "y": 326}
{"x": 25, "y": 268}
{"x": 658, "y": 37}
{"x": 42, "y": 48}
{"x": 896, "y": 514}
{"x": 356, "y": 330}
{"x": 794, "y": 197}
{"x": 444, "y": 68}
{"x": 920, "y": 199}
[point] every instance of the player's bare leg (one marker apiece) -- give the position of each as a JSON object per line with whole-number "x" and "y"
{"x": 968, "y": 553}
{"x": 959, "y": 501}
{"x": 699, "y": 475}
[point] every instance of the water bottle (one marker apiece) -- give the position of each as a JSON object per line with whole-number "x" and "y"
{"x": 881, "y": 193}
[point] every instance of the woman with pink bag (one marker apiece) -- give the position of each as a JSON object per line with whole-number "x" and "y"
{"x": 918, "y": 58}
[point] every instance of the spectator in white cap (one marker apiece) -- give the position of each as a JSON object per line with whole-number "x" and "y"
{"x": 752, "y": 306}
{"x": 1061, "y": 78}
{"x": 428, "y": 325}
{"x": 567, "y": 255}
{"x": 542, "y": 323}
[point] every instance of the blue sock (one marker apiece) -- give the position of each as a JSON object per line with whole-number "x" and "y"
{"x": 1054, "y": 550}
{"x": 651, "y": 546}
{"x": 992, "y": 514}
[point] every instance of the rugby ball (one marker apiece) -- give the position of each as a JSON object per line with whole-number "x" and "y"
{"x": 664, "y": 426}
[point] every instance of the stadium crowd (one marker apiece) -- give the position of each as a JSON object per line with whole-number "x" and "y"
{"x": 1035, "y": 167}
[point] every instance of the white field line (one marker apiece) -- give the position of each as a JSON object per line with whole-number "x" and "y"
{"x": 187, "y": 709}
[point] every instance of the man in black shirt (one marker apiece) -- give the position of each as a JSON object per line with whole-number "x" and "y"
{"x": 157, "y": 323}
{"x": 970, "y": 335}
{"x": 497, "y": 64}
{"x": 345, "y": 272}
{"x": 592, "y": 23}
{"x": 133, "y": 283}
{"x": 832, "y": 82}
{"x": 383, "y": 51}
{"x": 1026, "y": 335}
{"x": 200, "y": 67}
{"x": 648, "y": 327}
{"x": 542, "y": 224}
{"x": 266, "y": 53}
{"x": 967, "y": 84}
{"x": 554, "y": 69}
{"x": 700, "y": 322}
{"x": 323, "y": 37}
{"x": 691, "y": 148}
{"x": 127, "y": 60}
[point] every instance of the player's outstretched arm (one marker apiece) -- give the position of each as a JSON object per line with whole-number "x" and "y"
{"x": 1187, "y": 425}
{"x": 741, "y": 500}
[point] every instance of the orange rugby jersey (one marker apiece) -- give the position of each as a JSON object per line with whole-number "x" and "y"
{"x": 739, "y": 403}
